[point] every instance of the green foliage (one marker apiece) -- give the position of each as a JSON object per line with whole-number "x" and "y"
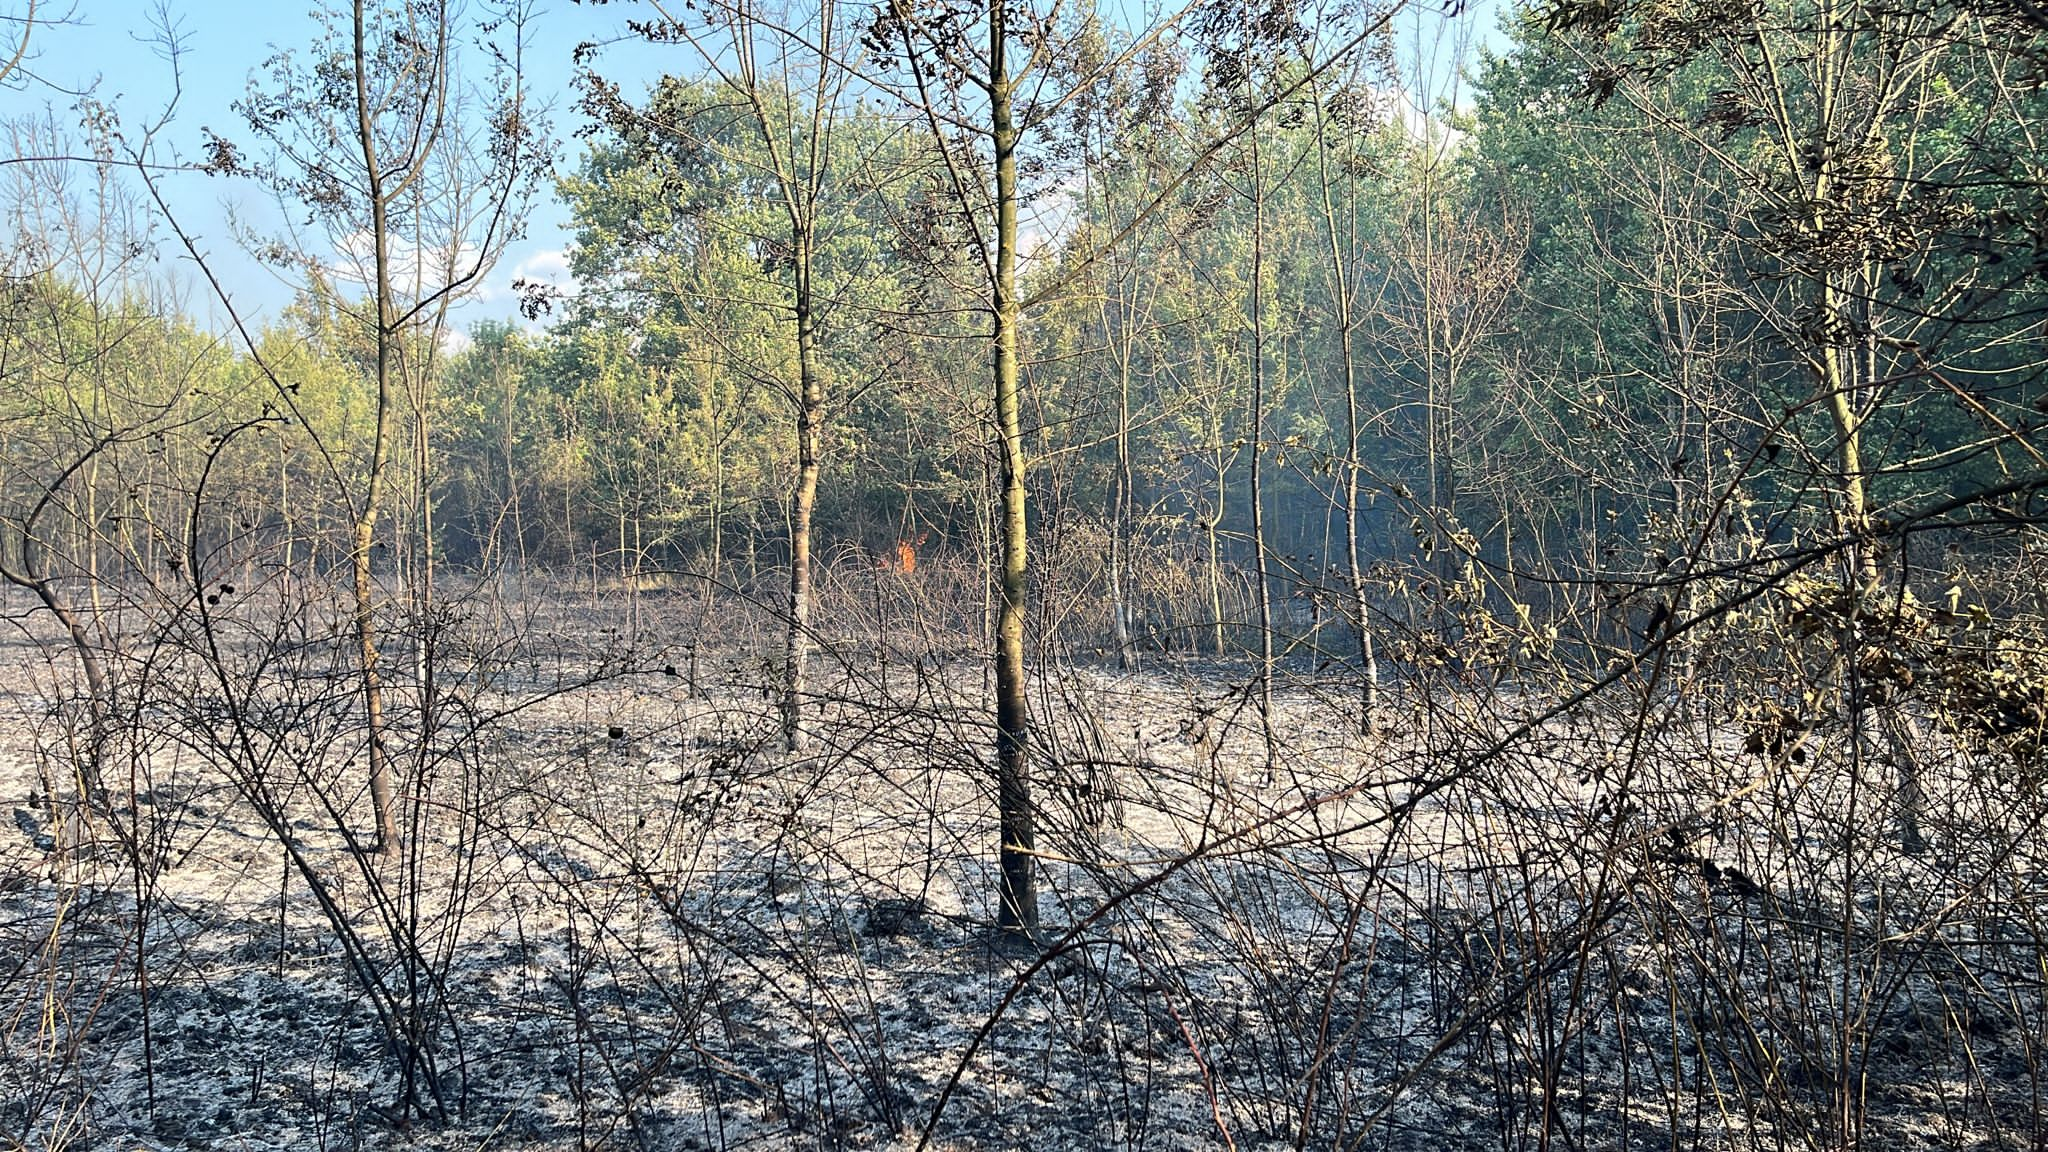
{"x": 1589, "y": 315}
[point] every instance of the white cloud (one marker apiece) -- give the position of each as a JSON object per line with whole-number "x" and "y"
{"x": 550, "y": 265}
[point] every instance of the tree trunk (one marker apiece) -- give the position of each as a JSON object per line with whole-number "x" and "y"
{"x": 424, "y": 642}
{"x": 382, "y": 806}
{"x": 1209, "y": 527}
{"x": 1258, "y": 414}
{"x": 1120, "y": 522}
{"x": 1018, "y": 891}
{"x": 810, "y": 418}
{"x": 1354, "y": 569}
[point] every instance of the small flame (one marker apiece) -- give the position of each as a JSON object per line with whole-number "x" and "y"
{"x": 903, "y": 561}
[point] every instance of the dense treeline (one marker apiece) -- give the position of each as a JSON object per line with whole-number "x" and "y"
{"x": 1203, "y": 336}
{"x": 1611, "y": 302}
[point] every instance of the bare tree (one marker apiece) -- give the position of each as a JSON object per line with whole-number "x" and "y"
{"x": 1337, "y": 167}
{"x": 418, "y": 178}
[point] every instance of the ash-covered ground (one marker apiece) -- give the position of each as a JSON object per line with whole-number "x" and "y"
{"x": 622, "y": 917}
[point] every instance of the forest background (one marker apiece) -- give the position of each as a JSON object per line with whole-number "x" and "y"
{"x": 1671, "y": 369}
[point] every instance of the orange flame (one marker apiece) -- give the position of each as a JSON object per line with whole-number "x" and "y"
{"x": 904, "y": 560}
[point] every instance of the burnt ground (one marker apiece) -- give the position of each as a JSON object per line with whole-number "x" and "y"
{"x": 623, "y": 918}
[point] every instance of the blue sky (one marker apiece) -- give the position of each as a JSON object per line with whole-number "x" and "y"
{"x": 113, "y": 49}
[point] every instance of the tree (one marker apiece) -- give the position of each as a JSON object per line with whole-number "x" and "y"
{"x": 797, "y": 166}
{"x": 418, "y": 178}
{"x": 991, "y": 84}
{"x": 1874, "y": 189}
{"x": 1339, "y": 156}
